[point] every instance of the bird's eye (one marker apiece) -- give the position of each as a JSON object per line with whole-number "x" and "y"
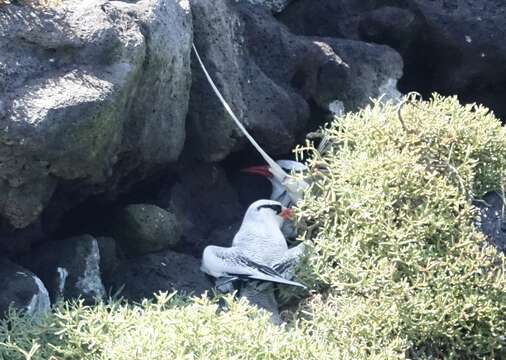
{"x": 277, "y": 208}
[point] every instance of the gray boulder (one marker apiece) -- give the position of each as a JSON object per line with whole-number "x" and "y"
{"x": 22, "y": 290}
{"x": 270, "y": 77}
{"x": 69, "y": 268}
{"x": 144, "y": 228}
{"x": 143, "y": 276}
{"x": 89, "y": 92}
{"x": 264, "y": 72}
{"x": 453, "y": 47}
{"x": 373, "y": 72}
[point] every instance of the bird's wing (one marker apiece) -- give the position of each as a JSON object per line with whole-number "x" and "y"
{"x": 231, "y": 262}
{"x": 286, "y": 265}
{"x": 265, "y": 273}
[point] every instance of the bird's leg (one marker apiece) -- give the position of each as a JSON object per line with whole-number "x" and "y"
{"x": 261, "y": 294}
{"x": 224, "y": 284}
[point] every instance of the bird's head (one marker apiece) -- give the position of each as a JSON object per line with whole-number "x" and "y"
{"x": 267, "y": 211}
{"x": 265, "y": 170}
{"x": 293, "y": 186}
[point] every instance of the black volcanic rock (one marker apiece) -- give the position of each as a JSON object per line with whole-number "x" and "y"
{"x": 69, "y": 268}
{"x": 448, "y": 46}
{"x": 21, "y": 289}
{"x": 144, "y": 228}
{"x": 89, "y": 92}
{"x": 269, "y": 76}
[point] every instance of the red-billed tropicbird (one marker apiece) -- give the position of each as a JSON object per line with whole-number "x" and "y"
{"x": 279, "y": 191}
{"x": 257, "y": 248}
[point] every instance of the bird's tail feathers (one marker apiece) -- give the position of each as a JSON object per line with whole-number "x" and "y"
{"x": 276, "y": 279}
{"x": 277, "y": 171}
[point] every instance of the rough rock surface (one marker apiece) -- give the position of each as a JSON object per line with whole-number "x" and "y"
{"x": 275, "y": 6}
{"x": 144, "y": 228}
{"x": 493, "y": 219}
{"x": 448, "y": 46}
{"x": 373, "y": 71}
{"x": 165, "y": 271}
{"x": 467, "y": 49}
{"x": 89, "y": 91}
{"x": 21, "y": 289}
{"x": 69, "y": 268}
{"x": 204, "y": 200}
{"x": 269, "y": 76}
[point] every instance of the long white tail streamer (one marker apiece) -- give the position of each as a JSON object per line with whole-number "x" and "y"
{"x": 276, "y": 170}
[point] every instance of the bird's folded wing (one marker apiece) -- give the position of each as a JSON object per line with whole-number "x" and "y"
{"x": 286, "y": 266}
{"x": 265, "y": 273}
{"x": 233, "y": 263}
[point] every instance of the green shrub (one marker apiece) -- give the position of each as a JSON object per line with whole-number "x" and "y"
{"x": 398, "y": 267}
{"x": 165, "y": 329}
{"x": 392, "y": 229}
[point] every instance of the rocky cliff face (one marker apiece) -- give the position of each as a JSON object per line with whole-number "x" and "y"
{"x": 102, "y": 106}
{"x": 89, "y": 92}
{"x": 449, "y": 46}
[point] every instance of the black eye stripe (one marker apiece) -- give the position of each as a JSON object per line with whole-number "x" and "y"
{"x": 276, "y": 208}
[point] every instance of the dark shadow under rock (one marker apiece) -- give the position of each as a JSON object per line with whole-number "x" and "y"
{"x": 223, "y": 236}
{"x": 110, "y": 256}
{"x": 263, "y": 296}
{"x": 143, "y": 276}
{"x": 493, "y": 219}
{"x": 21, "y": 289}
{"x": 203, "y": 200}
{"x": 15, "y": 241}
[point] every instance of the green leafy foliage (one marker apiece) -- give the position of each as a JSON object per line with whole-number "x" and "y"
{"x": 397, "y": 266}
{"x": 168, "y": 328}
{"x": 392, "y": 229}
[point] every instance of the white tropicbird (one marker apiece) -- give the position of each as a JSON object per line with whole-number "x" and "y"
{"x": 257, "y": 247}
{"x": 294, "y": 187}
{"x": 279, "y": 191}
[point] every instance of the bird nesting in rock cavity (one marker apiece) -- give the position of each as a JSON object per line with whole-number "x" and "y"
{"x": 258, "y": 249}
